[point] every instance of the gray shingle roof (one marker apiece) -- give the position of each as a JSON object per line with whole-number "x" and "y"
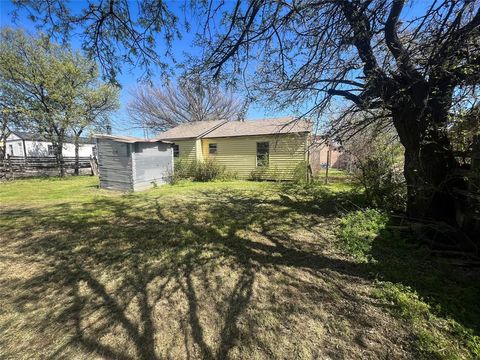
{"x": 217, "y": 129}
{"x": 190, "y": 130}
{"x": 284, "y": 125}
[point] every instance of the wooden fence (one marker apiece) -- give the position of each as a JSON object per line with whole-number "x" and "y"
{"x": 468, "y": 199}
{"x": 19, "y": 166}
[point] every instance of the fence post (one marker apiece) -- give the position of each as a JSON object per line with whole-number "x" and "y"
{"x": 475, "y": 167}
{"x": 9, "y": 161}
{"x": 328, "y": 165}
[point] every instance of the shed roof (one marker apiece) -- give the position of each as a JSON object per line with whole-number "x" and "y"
{"x": 127, "y": 139}
{"x": 217, "y": 129}
{"x": 191, "y": 130}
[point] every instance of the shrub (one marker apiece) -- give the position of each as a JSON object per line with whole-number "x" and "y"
{"x": 358, "y": 229}
{"x": 383, "y": 183}
{"x": 258, "y": 173}
{"x": 299, "y": 175}
{"x": 207, "y": 170}
{"x": 228, "y": 175}
{"x": 183, "y": 169}
{"x": 377, "y": 167}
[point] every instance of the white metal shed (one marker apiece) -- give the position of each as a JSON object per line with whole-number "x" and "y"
{"x": 133, "y": 164}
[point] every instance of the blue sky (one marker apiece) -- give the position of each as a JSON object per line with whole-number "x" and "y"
{"x": 130, "y": 76}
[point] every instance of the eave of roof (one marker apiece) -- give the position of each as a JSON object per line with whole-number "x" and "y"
{"x": 28, "y": 136}
{"x": 128, "y": 139}
{"x": 273, "y": 126}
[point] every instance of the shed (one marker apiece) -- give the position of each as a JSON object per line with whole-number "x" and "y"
{"x": 133, "y": 164}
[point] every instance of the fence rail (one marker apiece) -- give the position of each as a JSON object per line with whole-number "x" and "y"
{"x": 19, "y": 166}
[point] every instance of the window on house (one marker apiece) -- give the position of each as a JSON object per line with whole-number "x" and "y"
{"x": 10, "y": 149}
{"x": 176, "y": 150}
{"x": 50, "y": 150}
{"x": 212, "y": 149}
{"x": 263, "y": 150}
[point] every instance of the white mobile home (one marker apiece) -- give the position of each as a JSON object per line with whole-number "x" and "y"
{"x": 28, "y": 144}
{"x": 133, "y": 164}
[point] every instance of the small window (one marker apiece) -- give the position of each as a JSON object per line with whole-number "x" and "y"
{"x": 176, "y": 150}
{"x": 10, "y": 149}
{"x": 263, "y": 151}
{"x": 50, "y": 151}
{"x": 212, "y": 149}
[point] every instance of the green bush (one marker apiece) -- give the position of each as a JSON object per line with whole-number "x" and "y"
{"x": 207, "y": 170}
{"x": 183, "y": 169}
{"x": 258, "y": 174}
{"x": 379, "y": 171}
{"x": 299, "y": 175}
{"x": 383, "y": 183}
{"x": 358, "y": 229}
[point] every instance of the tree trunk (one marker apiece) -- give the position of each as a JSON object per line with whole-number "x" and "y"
{"x": 59, "y": 154}
{"x": 77, "y": 165}
{"x": 429, "y": 164}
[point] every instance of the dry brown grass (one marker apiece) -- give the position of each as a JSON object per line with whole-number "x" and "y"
{"x": 233, "y": 270}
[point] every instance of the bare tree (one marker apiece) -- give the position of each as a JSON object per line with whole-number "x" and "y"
{"x": 409, "y": 70}
{"x": 161, "y": 108}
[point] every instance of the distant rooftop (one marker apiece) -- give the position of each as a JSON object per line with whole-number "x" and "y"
{"x": 217, "y": 129}
{"x": 32, "y": 136}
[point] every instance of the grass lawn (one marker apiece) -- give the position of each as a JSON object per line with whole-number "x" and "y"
{"x": 210, "y": 271}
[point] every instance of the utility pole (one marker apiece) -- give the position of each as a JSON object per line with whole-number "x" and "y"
{"x": 328, "y": 165}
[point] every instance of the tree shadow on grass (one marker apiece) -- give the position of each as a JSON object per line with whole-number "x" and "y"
{"x": 451, "y": 291}
{"x": 214, "y": 275}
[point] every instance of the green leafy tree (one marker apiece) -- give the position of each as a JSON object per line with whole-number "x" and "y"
{"x": 56, "y": 88}
{"x": 11, "y": 114}
{"x": 95, "y": 103}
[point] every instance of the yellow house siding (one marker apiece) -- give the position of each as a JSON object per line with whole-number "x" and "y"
{"x": 186, "y": 149}
{"x": 198, "y": 150}
{"x": 238, "y": 154}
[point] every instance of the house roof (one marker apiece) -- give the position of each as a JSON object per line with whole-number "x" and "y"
{"x": 217, "y": 129}
{"x": 127, "y": 139}
{"x": 31, "y": 136}
{"x": 284, "y": 125}
{"x": 191, "y": 130}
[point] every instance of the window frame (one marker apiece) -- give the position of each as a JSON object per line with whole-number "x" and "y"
{"x": 265, "y": 154}
{"x": 212, "y": 146}
{"x": 176, "y": 150}
{"x": 50, "y": 150}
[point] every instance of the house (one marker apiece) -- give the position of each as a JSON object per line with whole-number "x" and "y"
{"x": 276, "y": 148}
{"x": 133, "y": 164}
{"x": 27, "y": 144}
{"x": 324, "y": 154}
